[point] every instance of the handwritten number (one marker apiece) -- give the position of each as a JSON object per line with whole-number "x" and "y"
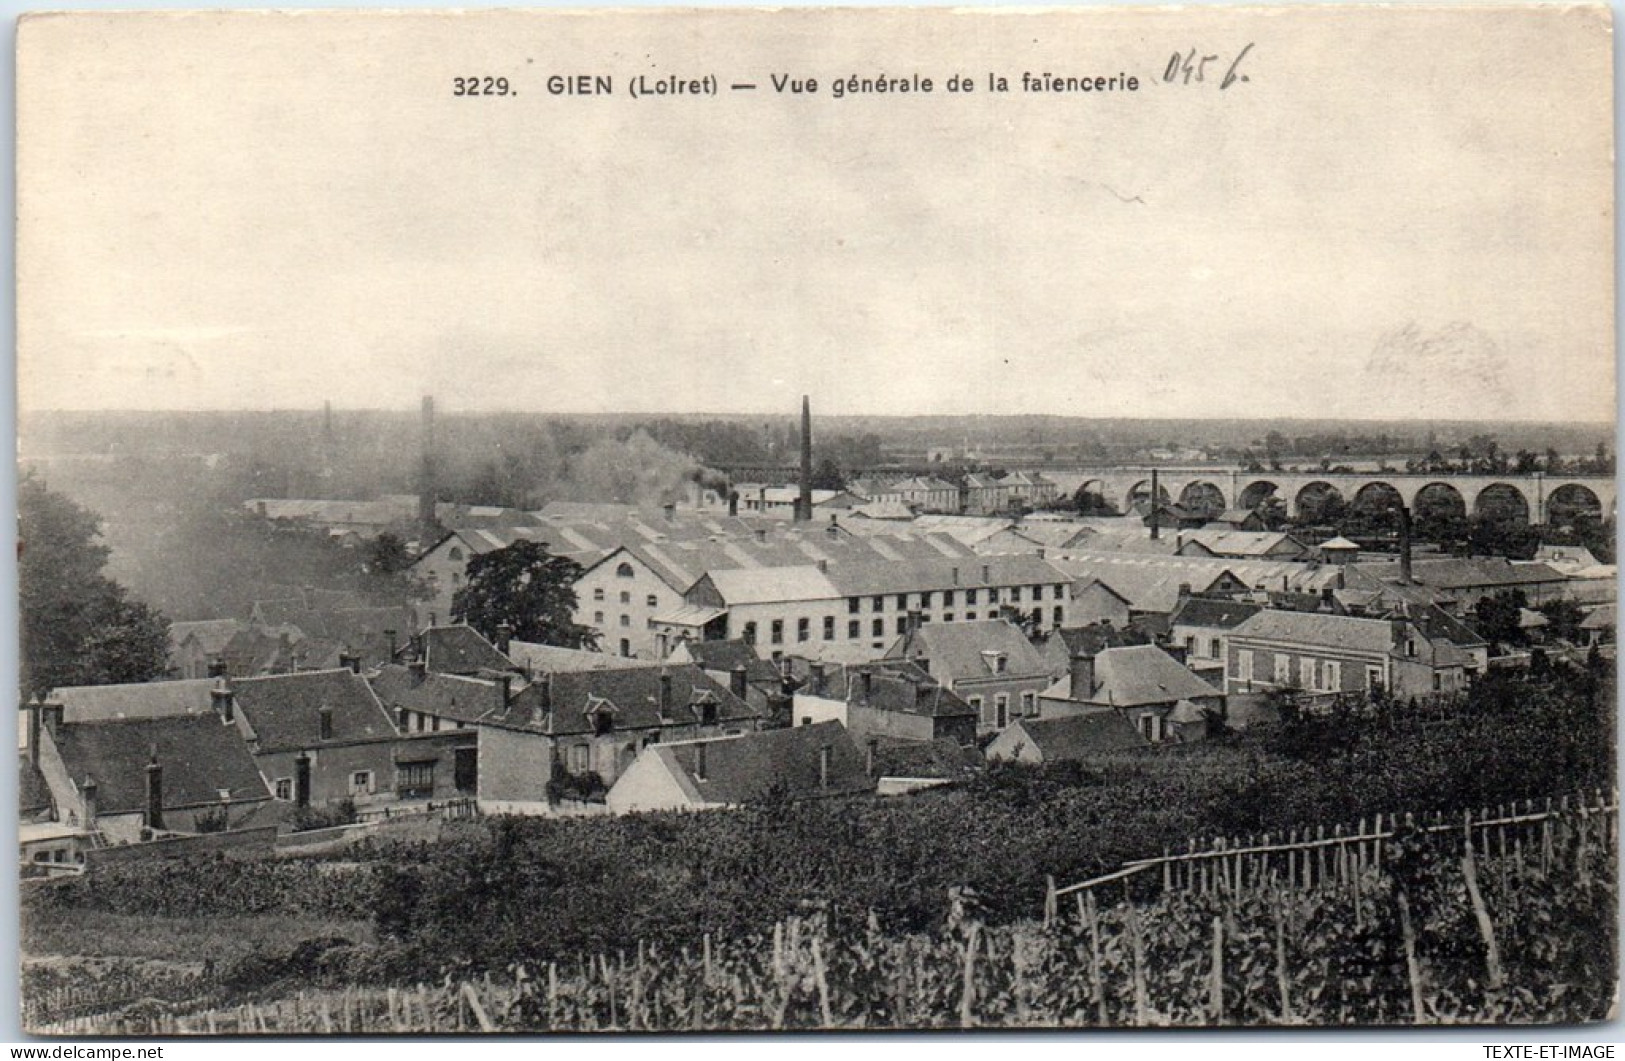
{"x": 1230, "y": 75}
{"x": 1185, "y": 68}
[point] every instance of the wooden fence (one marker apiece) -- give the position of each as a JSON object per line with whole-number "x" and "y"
{"x": 1318, "y": 858}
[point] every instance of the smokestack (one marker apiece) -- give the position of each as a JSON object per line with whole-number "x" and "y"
{"x": 34, "y": 728}
{"x": 806, "y": 508}
{"x": 1083, "y": 676}
{"x": 426, "y": 481}
{"x": 88, "y": 794}
{"x": 155, "y": 792}
{"x": 1155, "y": 519}
{"x": 1404, "y": 545}
{"x": 737, "y": 681}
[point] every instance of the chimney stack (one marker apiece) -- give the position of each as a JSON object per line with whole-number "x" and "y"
{"x": 389, "y": 636}
{"x": 1184, "y": 590}
{"x": 88, "y": 793}
{"x": 426, "y": 481}
{"x": 869, "y": 757}
{"x": 544, "y": 690}
{"x": 733, "y": 502}
{"x": 665, "y": 693}
{"x": 1156, "y": 517}
{"x": 806, "y": 507}
{"x": 1083, "y": 676}
{"x": 217, "y": 667}
{"x": 1404, "y": 545}
{"x": 350, "y": 661}
{"x": 225, "y": 701}
{"x": 155, "y": 793}
{"x": 301, "y": 780}
{"x": 815, "y": 679}
{"x": 699, "y": 761}
{"x": 419, "y": 671}
{"x": 670, "y": 511}
{"x": 51, "y": 718}
{"x": 507, "y": 690}
{"x": 825, "y": 755}
{"x": 737, "y": 683}
{"x": 868, "y": 685}
{"x": 504, "y": 637}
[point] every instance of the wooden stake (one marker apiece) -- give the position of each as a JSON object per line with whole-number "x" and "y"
{"x": 1095, "y": 972}
{"x": 1282, "y": 982}
{"x": 1413, "y": 967}
{"x": 1141, "y": 1004}
{"x": 1216, "y": 980}
{"x": 473, "y": 1000}
{"x": 967, "y": 993}
{"x": 1049, "y": 897}
{"x": 1486, "y": 929}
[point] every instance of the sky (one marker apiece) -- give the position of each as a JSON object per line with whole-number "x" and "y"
{"x": 1398, "y": 213}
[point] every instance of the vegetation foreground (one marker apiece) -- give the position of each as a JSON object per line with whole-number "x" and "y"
{"x": 611, "y": 919}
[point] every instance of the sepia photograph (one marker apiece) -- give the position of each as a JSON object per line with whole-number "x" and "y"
{"x": 654, "y": 522}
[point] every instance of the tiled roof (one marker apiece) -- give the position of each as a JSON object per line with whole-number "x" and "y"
{"x": 560, "y": 704}
{"x": 1213, "y": 612}
{"x": 1077, "y": 736}
{"x": 1467, "y": 572}
{"x": 461, "y": 650}
{"x": 1239, "y": 543}
{"x": 962, "y": 651}
{"x": 201, "y": 757}
{"x": 284, "y": 710}
{"x": 943, "y": 759}
{"x": 749, "y": 768}
{"x": 552, "y": 659}
{"x": 1133, "y": 676}
{"x": 462, "y": 699}
{"x": 105, "y": 703}
{"x": 210, "y": 635}
{"x": 1352, "y": 633}
{"x": 893, "y": 685}
{"x": 726, "y": 655}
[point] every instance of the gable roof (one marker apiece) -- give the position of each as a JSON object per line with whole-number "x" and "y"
{"x": 284, "y": 710}
{"x": 1459, "y": 572}
{"x": 201, "y": 757}
{"x": 749, "y": 768}
{"x": 461, "y": 650}
{"x": 109, "y": 703}
{"x": 896, "y": 685}
{"x": 1076, "y": 736}
{"x": 1224, "y": 541}
{"x": 1217, "y": 613}
{"x": 966, "y": 651}
{"x": 1134, "y": 676}
{"x": 453, "y": 696}
{"x": 210, "y": 635}
{"x": 1349, "y": 632}
{"x": 727, "y": 655}
{"x": 560, "y": 704}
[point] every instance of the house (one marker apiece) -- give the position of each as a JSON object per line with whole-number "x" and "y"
{"x": 318, "y": 737}
{"x": 867, "y": 600}
{"x": 779, "y": 502}
{"x": 1202, "y": 625}
{"x": 131, "y": 700}
{"x": 591, "y": 725}
{"x": 984, "y": 494}
{"x": 1143, "y": 683}
{"x": 759, "y": 682}
{"x": 806, "y": 762}
{"x": 1459, "y": 583}
{"x": 1322, "y": 653}
{"x": 1339, "y": 550}
{"x": 1066, "y": 739}
{"x": 1245, "y": 519}
{"x": 443, "y": 565}
{"x": 1094, "y": 602}
{"x": 1058, "y": 647}
{"x": 1239, "y": 544}
{"x": 893, "y": 699}
{"x": 989, "y": 664}
{"x": 1167, "y": 515}
{"x": 132, "y": 779}
{"x": 1031, "y": 488}
{"x": 458, "y": 649}
{"x": 195, "y": 646}
{"x": 1597, "y": 628}
{"x": 900, "y": 767}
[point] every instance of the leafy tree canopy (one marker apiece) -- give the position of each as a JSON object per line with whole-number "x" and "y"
{"x": 78, "y": 626}
{"x": 527, "y": 589}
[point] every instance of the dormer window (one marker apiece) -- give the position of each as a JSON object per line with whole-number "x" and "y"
{"x": 708, "y": 713}
{"x": 603, "y": 722}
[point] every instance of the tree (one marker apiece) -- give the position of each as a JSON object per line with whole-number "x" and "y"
{"x": 78, "y": 626}
{"x": 527, "y": 589}
{"x": 388, "y": 569}
{"x": 1496, "y": 618}
{"x": 827, "y": 476}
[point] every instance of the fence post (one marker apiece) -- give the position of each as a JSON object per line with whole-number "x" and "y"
{"x": 1137, "y": 945}
{"x": 1095, "y": 972}
{"x": 1413, "y": 968}
{"x": 1282, "y": 981}
{"x": 1486, "y": 928}
{"x": 1049, "y": 897}
{"x": 967, "y": 992}
{"x": 1216, "y": 985}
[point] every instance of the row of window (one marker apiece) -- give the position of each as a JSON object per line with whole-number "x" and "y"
{"x": 598, "y": 620}
{"x": 854, "y": 627}
{"x": 412, "y": 780}
{"x": 652, "y": 600}
{"x": 925, "y": 600}
{"x": 1001, "y": 707}
{"x": 1312, "y": 674}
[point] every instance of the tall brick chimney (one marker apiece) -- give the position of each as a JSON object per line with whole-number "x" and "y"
{"x": 1155, "y": 500}
{"x": 426, "y": 477}
{"x": 804, "y": 510}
